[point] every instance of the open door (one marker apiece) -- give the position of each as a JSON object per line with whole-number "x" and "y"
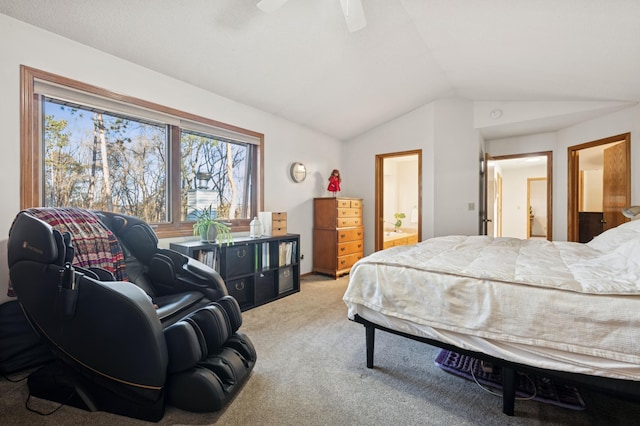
{"x": 614, "y": 190}
{"x": 490, "y": 196}
{"x": 536, "y": 213}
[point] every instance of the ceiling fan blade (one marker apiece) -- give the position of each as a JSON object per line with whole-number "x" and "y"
{"x": 270, "y": 5}
{"x": 353, "y": 14}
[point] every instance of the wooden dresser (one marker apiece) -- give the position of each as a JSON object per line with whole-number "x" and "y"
{"x": 338, "y": 235}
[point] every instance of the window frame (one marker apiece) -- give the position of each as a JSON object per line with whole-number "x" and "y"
{"x": 31, "y": 185}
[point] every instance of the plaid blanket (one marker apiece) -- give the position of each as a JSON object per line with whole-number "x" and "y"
{"x": 94, "y": 244}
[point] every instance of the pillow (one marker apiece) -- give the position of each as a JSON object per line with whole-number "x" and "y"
{"x": 611, "y": 239}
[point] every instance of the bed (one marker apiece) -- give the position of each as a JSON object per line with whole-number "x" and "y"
{"x": 562, "y": 309}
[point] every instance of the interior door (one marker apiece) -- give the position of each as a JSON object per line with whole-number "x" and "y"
{"x": 536, "y": 216}
{"x": 614, "y": 191}
{"x": 490, "y": 196}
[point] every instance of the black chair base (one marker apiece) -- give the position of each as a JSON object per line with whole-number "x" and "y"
{"x": 59, "y": 383}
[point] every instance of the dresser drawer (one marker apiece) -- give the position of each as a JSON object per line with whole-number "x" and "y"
{"x": 348, "y": 260}
{"x": 350, "y": 247}
{"x": 345, "y": 222}
{"x": 278, "y": 227}
{"x": 356, "y": 234}
{"x": 349, "y": 212}
{"x": 349, "y": 203}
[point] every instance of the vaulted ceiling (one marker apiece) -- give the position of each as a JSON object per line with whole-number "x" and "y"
{"x": 301, "y": 63}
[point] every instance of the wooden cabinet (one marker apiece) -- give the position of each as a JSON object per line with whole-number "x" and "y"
{"x": 399, "y": 239}
{"x": 338, "y": 235}
{"x": 255, "y": 270}
{"x": 590, "y": 225}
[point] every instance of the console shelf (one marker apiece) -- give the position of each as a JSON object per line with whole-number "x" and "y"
{"x": 255, "y": 270}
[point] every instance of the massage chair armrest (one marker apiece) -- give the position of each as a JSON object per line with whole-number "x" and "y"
{"x": 171, "y": 272}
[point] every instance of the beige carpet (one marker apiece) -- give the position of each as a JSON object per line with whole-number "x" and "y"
{"x": 311, "y": 371}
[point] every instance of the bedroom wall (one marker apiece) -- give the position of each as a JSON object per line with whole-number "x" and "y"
{"x": 285, "y": 142}
{"x": 411, "y": 131}
{"x": 450, "y": 175}
{"x": 457, "y": 168}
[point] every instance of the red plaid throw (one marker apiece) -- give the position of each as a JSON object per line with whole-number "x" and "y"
{"x": 95, "y": 245}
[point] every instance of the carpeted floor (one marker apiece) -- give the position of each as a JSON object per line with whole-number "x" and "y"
{"x": 311, "y": 371}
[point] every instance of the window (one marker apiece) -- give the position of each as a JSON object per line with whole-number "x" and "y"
{"x": 98, "y": 160}
{"x": 215, "y": 173}
{"x": 86, "y": 147}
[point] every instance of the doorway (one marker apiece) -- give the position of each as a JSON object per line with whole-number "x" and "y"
{"x": 398, "y": 201}
{"x": 599, "y": 186}
{"x": 508, "y": 204}
{"x": 537, "y": 202}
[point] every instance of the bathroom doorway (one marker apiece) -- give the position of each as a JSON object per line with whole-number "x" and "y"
{"x": 398, "y": 201}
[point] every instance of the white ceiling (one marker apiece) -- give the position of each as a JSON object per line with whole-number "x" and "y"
{"x": 301, "y": 63}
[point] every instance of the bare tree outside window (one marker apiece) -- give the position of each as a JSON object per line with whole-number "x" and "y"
{"x": 213, "y": 172}
{"x": 102, "y": 161}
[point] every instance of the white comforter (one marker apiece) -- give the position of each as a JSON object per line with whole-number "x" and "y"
{"x": 568, "y": 297}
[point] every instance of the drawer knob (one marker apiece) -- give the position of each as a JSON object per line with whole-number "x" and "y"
{"x": 239, "y": 286}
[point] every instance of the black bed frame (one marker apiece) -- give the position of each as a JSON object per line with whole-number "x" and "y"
{"x": 627, "y": 389}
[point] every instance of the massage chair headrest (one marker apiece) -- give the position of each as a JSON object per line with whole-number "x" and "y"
{"x": 133, "y": 232}
{"x": 32, "y": 239}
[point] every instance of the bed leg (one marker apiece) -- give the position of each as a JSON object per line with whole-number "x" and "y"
{"x": 370, "y": 339}
{"x": 508, "y": 390}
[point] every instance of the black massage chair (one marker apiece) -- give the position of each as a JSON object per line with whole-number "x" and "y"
{"x": 167, "y": 335}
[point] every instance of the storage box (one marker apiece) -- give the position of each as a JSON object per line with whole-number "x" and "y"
{"x": 265, "y": 287}
{"x": 239, "y": 260}
{"x": 285, "y": 279}
{"x": 242, "y": 290}
{"x": 273, "y": 223}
